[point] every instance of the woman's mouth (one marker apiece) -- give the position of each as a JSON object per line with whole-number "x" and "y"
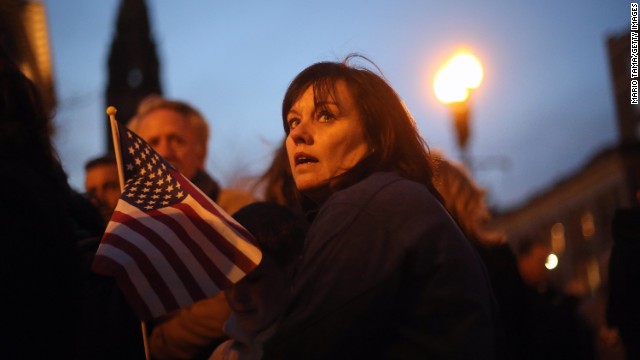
{"x": 302, "y": 158}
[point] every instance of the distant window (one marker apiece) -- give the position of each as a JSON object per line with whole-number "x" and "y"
{"x": 588, "y": 226}
{"x": 557, "y": 238}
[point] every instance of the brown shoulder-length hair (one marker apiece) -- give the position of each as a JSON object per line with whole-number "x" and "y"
{"x": 389, "y": 128}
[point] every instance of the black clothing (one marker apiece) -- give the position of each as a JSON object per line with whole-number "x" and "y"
{"x": 386, "y": 274}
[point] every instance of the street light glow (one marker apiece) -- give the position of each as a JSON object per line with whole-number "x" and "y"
{"x": 454, "y": 80}
{"x": 552, "y": 261}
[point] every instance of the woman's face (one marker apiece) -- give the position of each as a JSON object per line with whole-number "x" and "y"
{"x": 324, "y": 141}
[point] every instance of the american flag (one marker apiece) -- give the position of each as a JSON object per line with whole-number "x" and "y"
{"x": 167, "y": 244}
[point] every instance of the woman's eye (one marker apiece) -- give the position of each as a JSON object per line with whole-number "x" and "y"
{"x": 293, "y": 122}
{"x": 325, "y": 116}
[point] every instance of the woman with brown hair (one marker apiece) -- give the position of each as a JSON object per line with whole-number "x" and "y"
{"x": 385, "y": 272}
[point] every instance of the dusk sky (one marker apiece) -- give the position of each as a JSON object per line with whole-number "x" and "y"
{"x": 545, "y": 106}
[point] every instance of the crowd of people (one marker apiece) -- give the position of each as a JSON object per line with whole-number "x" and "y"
{"x": 374, "y": 246}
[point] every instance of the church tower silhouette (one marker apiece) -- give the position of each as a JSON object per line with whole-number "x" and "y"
{"x": 134, "y": 69}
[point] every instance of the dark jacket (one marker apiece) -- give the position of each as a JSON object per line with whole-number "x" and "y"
{"x": 39, "y": 265}
{"x": 386, "y": 274}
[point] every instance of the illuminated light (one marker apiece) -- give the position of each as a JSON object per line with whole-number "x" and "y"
{"x": 468, "y": 70}
{"x": 557, "y": 238}
{"x": 593, "y": 274}
{"x": 552, "y": 261}
{"x": 447, "y": 89}
{"x": 454, "y": 80}
{"x": 588, "y": 226}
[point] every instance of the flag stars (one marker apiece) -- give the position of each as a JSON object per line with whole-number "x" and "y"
{"x": 150, "y": 184}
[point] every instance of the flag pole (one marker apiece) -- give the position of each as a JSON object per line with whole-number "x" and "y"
{"x": 111, "y": 111}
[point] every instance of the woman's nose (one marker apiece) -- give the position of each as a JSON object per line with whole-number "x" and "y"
{"x": 301, "y": 134}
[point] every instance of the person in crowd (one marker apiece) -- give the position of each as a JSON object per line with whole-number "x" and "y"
{"x": 179, "y": 133}
{"x": 385, "y": 272}
{"x": 623, "y": 311}
{"x": 553, "y": 328}
{"x": 39, "y": 264}
{"x": 466, "y": 203}
{"x": 258, "y": 299}
{"x": 102, "y": 185}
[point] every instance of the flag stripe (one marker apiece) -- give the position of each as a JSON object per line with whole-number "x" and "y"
{"x": 229, "y": 251}
{"x": 241, "y": 240}
{"x": 183, "y": 283}
{"x": 193, "y": 249}
{"x": 129, "y": 289}
{"x": 202, "y": 248}
{"x": 210, "y": 206}
{"x": 139, "y": 258}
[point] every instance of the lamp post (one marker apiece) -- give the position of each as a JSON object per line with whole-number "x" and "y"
{"x": 452, "y": 85}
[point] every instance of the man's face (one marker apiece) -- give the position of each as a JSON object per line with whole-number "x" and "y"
{"x": 103, "y": 187}
{"x": 171, "y": 135}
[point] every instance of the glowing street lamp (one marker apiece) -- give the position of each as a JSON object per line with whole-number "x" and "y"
{"x": 452, "y": 85}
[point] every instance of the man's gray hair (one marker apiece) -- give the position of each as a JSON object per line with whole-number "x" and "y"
{"x": 155, "y": 102}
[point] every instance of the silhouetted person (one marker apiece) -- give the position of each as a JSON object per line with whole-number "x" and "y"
{"x": 39, "y": 265}
{"x": 623, "y": 309}
{"x": 466, "y": 203}
{"x": 553, "y": 327}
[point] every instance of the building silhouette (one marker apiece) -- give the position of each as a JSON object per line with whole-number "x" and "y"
{"x": 25, "y": 38}
{"x": 574, "y": 215}
{"x": 134, "y": 68}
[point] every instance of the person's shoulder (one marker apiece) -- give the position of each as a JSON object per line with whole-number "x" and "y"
{"x": 232, "y": 200}
{"x": 387, "y": 188}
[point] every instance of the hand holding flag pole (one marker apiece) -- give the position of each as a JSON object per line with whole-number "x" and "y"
{"x": 167, "y": 244}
